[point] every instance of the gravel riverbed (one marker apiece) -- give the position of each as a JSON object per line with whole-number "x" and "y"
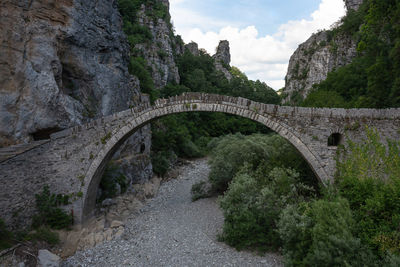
{"x": 171, "y": 230}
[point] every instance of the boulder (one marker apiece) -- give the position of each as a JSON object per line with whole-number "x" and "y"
{"x": 48, "y": 259}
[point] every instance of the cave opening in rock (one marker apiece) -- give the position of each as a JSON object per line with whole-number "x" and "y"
{"x": 44, "y": 134}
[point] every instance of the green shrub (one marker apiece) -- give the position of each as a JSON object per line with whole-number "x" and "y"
{"x": 319, "y": 233}
{"x": 49, "y": 212}
{"x": 369, "y": 178}
{"x": 321, "y": 98}
{"x": 162, "y": 161}
{"x": 190, "y": 149}
{"x": 252, "y": 205}
{"x": 43, "y": 233}
{"x": 371, "y": 80}
{"x": 5, "y": 236}
{"x": 111, "y": 180}
{"x": 138, "y": 67}
{"x": 200, "y": 190}
{"x": 232, "y": 152}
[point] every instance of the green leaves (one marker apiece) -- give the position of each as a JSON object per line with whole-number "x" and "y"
{"x": 49, "y": 212}
{"x": 369, "y": 177}
{"x": 371, "y": 80}
{"x": 259, "y": 185}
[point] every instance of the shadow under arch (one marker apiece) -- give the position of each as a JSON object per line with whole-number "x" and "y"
{"x": 166, "y": 107}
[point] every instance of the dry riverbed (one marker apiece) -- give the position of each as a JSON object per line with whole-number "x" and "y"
{"x": 171, "y": 230}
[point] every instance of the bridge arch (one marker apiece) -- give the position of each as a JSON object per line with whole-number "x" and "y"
{"x": 204, "y": 103}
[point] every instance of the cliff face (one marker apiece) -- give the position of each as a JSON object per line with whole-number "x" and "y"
{"x": 160, "y": 52}
{"x": 315, "y": 58}
{"x": 223, "y": 58}
{"x": 63, "y": 63}
{"x": 353, "y": 4}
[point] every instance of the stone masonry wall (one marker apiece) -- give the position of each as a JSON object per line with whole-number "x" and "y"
{"x": 73, "y": 160}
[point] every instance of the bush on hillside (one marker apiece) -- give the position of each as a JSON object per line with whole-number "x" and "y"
{"x": 320, "y": 233}
{"x": 49, "y": 211}
{"x": 252, "y": 205}
{"x": 369, "y": 178}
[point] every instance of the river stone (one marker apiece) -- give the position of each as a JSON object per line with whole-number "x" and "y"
{"x": 48, "y": 259}
{"x": 116, "y": 224}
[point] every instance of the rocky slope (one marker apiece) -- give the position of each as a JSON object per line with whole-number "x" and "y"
{"x": 161, "y": 51}
{"x": 315, "y": 58}
{"x": 64, "y": 63}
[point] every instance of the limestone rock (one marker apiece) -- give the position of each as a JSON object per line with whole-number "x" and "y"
{"x": 64, "y": 63}
{"x": 223, "y": 58}
{"x": 100, "y": 225}
{"x": 108, "y": 234}
{"x": 313, "y": 60}
{"x": 159, "y": 54}
{"x": 151, "y": 188}
{"x": 116, "y": 224}
{"x": 119, "y": 232}
{"x": 193, "y": 48}
{"x": 89, "y": 240}
{"x": 61, "y": 63}
{"x": 353, "y": 4}
{"x": 108, "y": 202}
{"x": 223, "y": 54}
{"x": 98, "y": 238}
{"x": 48, "y": 259}
{"x": 71, "y": 244}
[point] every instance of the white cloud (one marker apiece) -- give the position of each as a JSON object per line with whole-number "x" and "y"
{"x": 260, "y": 57}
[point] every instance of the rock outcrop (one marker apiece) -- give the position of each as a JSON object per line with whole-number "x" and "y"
{"x": 64, "y": 63}
{"x": 353, "y": 4}
{"x": 223, "y": 58}
{"x": 48, "y": 259}
{"x": 160, "y": 52}
{"x": 193, "y": 48}
{"x": 315, "y": 58}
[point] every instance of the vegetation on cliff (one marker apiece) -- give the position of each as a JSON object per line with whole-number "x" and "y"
{"x": 373, "y": 78}
{"x": 138, "y": 34}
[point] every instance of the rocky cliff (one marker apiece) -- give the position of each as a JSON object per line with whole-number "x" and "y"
{"x": 222, "y": 56}
{"x": 64, "y": 63}
{"x": 315, "y": 58}
{"x": 161, "y": 51}
{"x": 353, "y": 4}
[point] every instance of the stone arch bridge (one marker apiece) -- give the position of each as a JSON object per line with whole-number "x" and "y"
{"x": 72, "y": 161}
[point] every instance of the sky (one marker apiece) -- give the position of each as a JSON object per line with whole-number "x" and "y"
{"x": 263, "y": 34}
